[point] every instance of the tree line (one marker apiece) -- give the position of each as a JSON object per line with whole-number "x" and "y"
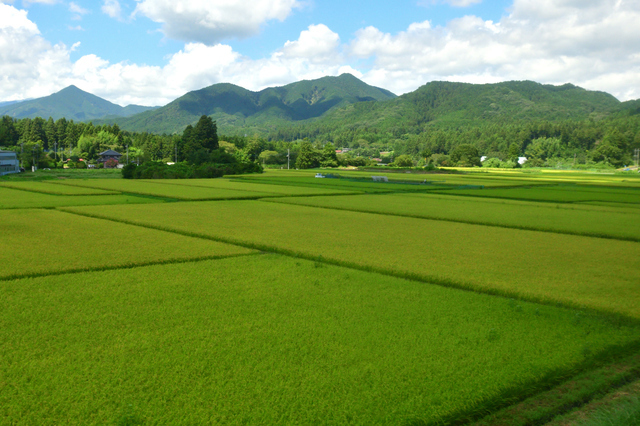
{"x": 609, "y": 142}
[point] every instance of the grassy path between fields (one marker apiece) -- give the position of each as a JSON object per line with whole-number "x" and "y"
{"x": 131, "y": 265}
{"x": 573, "y": 400}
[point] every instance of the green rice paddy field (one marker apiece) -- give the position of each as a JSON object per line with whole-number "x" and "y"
{"x": 285, "y": 299}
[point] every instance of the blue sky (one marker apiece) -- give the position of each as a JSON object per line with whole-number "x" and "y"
{"x": 140, "y": 39}
{"x": 152, "y": 51}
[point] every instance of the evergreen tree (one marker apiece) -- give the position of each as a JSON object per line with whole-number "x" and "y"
{"x": 329, "y": 156}
{"x": 8, "y": 133}
{"x": 188, "y": 144}
{"x": 61, "y": 131}
{"x": 50, "y": 132}
{"x": 206, "y": 133}
{"x": 308, "y": 157}
{"x": 36, "y": 132}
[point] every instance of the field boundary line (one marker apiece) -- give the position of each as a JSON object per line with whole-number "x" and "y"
{"x": 469, "y": 222}
{"x": 516, "y": 202}
{"x": 530, "y": 199}
{"x": 517, "y": 394}
{"x": 257, "y": 196}
{"x": 160, "y": 181}
{"x": 267, "y": 194}
{"x": 163, "y": 197}
{"x": 174, "y": 261}
{"x": 305, "y": 185}
{"x": 427, "y": 279}
{"x": 108, "y": 191}
{"x": 563, "y": 398}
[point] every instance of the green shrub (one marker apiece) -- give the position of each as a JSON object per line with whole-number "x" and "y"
{"x": 208, "y": 171}
{"x": 159, "y": 170}
{"x": 128, "y": 171}
{"x": 402, "y": 161}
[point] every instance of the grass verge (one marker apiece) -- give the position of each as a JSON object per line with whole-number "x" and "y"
{"x": 578, "y": 396}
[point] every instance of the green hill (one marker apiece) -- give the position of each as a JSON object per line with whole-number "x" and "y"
{"x": 70, "y": 103}
{"x": 236, "y": 108}
{"x": 456, "y": 105}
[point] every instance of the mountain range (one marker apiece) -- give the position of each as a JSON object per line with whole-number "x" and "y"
{"x": 70, "y": 103}
{"x": 234, "y": 107}
{"x": 340, "y": 103}
{"x": 456, "y": 105}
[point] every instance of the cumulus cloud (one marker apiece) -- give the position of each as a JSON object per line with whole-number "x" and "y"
{"x": 28, "y": 63}
{"x": 44, "y": 68}
{"x": 317, "y": 44}
{"x": 454, "y": 3}
{"x": 589, "y": 43}
{"x": 209, "y": 22}
{"x": 112, "y": 8}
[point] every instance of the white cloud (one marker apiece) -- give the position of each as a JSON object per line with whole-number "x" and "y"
{"x": 547, "y": 41}
{"x": 76, "y": 28}
{"x": 77, "y": 9}
{"x": 454, "y": 3}
{"x": 112, "y": 8}
{"x": 12, "y": 19}
{"x": 28, "y": 2}
{"x": 591, "y": 43}
{"x": 29, "y": 65}
{"x": 209, "y": 22}
{"x": 316, "y": 44}
{"x": 42, "y": 69}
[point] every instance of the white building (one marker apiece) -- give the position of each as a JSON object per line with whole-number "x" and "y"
{"x": 9, "y": 163}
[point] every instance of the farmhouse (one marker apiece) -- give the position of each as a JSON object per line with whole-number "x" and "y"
{"x": 9, "y": 163}
{"x": 109, "y": 155}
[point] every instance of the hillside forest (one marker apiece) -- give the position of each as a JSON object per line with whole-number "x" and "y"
{"x": 589, "y": 143}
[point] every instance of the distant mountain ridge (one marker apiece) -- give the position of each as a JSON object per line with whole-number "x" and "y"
{"x": 342, "y": 104}
{"x": 71, "y": 103}
{"x": 441, "y": 104}
{"x": 511, "y": 100}
{"x": 5, "y": 103}
{"x": 234, "y": 106}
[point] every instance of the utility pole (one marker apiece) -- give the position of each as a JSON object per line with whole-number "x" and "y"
{"x": 33, "y": 157}
{"x": 127, "y": 154}
{"x": 288, "y": 158}
{"x": 636, "y": 156}
{"x": 176, "y": 146}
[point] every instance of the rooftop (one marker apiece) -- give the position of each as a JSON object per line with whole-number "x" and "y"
{"x": 110, "y": 152}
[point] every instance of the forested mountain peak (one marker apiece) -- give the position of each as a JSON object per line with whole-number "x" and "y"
{"x": 71, "y": 103}
{"x": 452, "y": 104}
{"x": 510, "y": 100}
{"x": 233, "y": 106}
